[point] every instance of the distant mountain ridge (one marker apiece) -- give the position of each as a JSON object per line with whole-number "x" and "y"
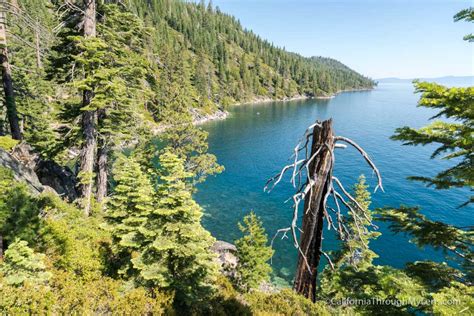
{"x": 440, "y": 80}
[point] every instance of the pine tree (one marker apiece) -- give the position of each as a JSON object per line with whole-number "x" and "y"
{"x": 109, "y": 71}
{"x": 21, "y": 264}
{"x": 355, "y": 251}
{"x": 187, "y": 141}
{"x": 158, "y": 236}
{"x": 354, "y": 274}
{"x": 127, "y": 211}
{"x": 468, "y": 16}
{"x": 253, "y": 253}
{"x": 453, "y": 138}
{"x": 177, "y": 253}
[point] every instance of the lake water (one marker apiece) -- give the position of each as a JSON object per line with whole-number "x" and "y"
{"x": 256, "y": 141}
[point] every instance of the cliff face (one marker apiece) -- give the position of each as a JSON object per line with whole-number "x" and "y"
{"x": 20, "y": 171}
{"x": 39, "y": 174}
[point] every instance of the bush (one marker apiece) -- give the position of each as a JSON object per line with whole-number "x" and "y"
{"x": 285, "y": 302}
{"x": 19, "y": 211}
{"x": 7, "y": 143}
{"x": 69, "y": 295}
{"x": 22, "y": 265}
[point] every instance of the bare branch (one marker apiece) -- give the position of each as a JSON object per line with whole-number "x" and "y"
{"x": 366, "y": 157}
{"x": 353, "y": 200}
{"x": 328, "y": 258}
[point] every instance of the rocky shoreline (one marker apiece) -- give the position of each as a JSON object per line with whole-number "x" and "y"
{"x": 200, "y": 118}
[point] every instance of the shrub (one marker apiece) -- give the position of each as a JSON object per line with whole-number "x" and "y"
{"x": 7, "y": 143}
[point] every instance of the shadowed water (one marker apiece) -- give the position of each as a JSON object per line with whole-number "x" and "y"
{"x": 258, "y": 139}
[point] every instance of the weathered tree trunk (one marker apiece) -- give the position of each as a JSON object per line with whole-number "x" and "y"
{"x": 320, "y": 171}
{"x": 89, "y": 128}
{"x": 7, "y": 81}
{"x": 88, "y": 153}
{"x": 102, "y": 162}
{"x": 102, "y": 173}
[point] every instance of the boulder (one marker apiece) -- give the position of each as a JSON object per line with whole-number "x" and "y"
{"x": 226, "y": 257}
{"x": 28, "y": 166}
{"x": 21, "y": 172}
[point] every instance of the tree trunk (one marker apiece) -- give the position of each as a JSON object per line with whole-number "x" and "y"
{"x": 7, "y": 81}
{"x": 102, "y": 173}
{"x": 88, "y": 153}
{"x": 89, "y": 128}
{"x": 102, "y": 163}
{"x": 312, "y": 229}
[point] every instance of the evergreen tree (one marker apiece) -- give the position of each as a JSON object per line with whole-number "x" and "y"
{"x": 108, "y": 70}
{"x": 253, "y": 253}
{"x": 176, "y": 253}
{"x": 466, "y": 15}
{"x": 182, "y": 136}
{"x": 21, "y": 264}
{"x": 453, "y": 137}
{"x": 127, "y": 211}
{"x": 355, "y": 251}
{"x": 157, "y": 236}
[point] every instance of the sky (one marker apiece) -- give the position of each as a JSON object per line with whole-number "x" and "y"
{"x": 378, "y": 38}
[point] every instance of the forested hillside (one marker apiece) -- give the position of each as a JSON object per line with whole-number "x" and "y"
{"x": 229, "y": 63}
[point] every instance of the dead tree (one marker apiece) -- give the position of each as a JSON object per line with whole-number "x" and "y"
{"x": 312, "y": 176}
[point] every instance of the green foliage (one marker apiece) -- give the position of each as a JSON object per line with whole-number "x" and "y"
{"x": 67, "y": 294}
{"x": 356, "y": 277}
{"x": 7, "y": 143}
{"x": 433, "y": 275}
{"x": 19, "y": 211}
{"x": 187, "y": 141}
{"x": 32, "y": 90}
{"x": 160, "y": 233}
{"x": 27, "y": 299}
{"x": 425, "y": 232}
{"x": 285, "y": 302}
{"x": 127, "y": 211}
{"x": 253, "y": 253}
{"x": 454, "y": 300}
{"x": 176, "y": 254}
{"x": 355, "y": 250}
{"x": 21, "y": 264}
{"x": 72, "y": 241}
{"x": 454, "y": 138}
{"x": 110, "y": 65}
{"x": 377, "y": 283}
{"x": 468, "y": 16}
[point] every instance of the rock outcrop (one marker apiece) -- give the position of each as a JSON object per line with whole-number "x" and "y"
{"x": 27, "y": 166}
{"x": 21, "y": 172}
{"x": 227, "y": 257}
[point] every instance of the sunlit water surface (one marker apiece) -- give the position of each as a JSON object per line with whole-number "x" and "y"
{"x": 257, "y": 140}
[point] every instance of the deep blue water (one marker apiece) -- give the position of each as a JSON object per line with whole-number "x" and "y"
{"x": 257, "y": 140}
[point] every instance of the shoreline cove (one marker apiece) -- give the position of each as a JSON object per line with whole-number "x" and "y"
{"x": 220, "y": 114}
